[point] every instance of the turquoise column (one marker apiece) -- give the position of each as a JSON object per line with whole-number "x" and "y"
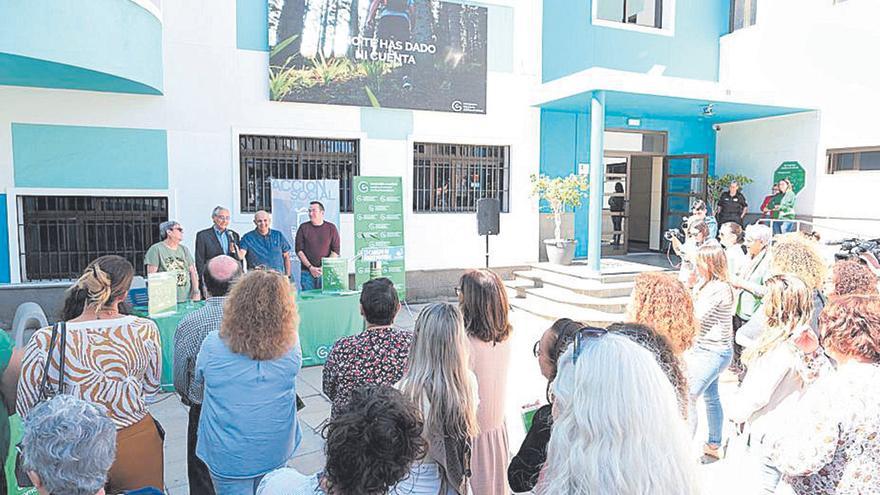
{"x": 597, "y": 180}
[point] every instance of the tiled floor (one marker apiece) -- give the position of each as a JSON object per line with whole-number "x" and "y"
{"x": 526, "y": 386}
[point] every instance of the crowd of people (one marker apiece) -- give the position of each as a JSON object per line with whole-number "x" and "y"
{"x": 422, "y": 411}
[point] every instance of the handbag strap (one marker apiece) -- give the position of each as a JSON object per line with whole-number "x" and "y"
{"x": 45, "y": 390}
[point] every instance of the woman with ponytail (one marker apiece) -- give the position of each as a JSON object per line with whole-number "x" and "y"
{"x": 111, "y": 360}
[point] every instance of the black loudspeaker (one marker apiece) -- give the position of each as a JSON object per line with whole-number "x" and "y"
{"x": 488, "y": 216}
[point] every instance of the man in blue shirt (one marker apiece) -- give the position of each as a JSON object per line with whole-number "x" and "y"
{"x": 265, "y": 247}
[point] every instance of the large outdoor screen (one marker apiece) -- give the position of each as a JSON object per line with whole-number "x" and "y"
{"x": 414, "y": 54}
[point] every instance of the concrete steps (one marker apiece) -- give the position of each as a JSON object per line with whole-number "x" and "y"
{"x": 557, "y": 294}
{"x": 585, "y": 286}
{"x": 553, "y": 310}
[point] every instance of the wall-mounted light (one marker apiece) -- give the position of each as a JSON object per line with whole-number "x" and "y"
{"x": 709, "y": 110}
{"x": 634, "y": 122}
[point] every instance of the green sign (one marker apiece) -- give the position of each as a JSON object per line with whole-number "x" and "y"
{"x": 334, "y": 275}
{"x": 162, "y": 292}
{"x": 794, "y": 173}
{"x": 378, "y": 229}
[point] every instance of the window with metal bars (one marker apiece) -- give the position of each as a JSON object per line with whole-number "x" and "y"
{"x": 449, "y": 178}
{"x": 60, "y": 235}
{"x": 264, "y": 158}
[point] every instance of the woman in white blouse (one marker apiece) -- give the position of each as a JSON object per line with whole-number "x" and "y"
{"x": 777, "y": 369}
{"x": 830, "y": 443}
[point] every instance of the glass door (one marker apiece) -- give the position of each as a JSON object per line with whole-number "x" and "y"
{"x": 684, "y": 181}
{"x": 615, "y": 206}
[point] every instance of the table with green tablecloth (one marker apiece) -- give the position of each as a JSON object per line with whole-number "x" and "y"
{"x": 323, "y": 319}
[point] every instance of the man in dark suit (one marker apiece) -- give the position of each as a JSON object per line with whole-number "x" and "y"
{"x": 214, "y": 241}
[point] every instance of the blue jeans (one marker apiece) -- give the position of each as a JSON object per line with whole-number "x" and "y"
{"x": 704, "y": 368}
{"x": 786, "y": 227}
{"x": 236, "y": 486}
{"x": 308, "y": 282}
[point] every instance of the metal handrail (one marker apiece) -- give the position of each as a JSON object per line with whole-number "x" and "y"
{"x": 814, "y": 227}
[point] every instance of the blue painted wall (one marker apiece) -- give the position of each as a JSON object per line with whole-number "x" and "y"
{"x": 89, "y": 157}
{"x": 571, "y": 43}
{"x": 101, "y": 45}
{"x": 565, "y": 142}
{"x": 4, "y": 243}
{"x": 252, "y": 24}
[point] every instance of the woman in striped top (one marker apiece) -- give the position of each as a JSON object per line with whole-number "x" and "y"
{"x": 713, "y": 347}
{"x": 111, "y": 360}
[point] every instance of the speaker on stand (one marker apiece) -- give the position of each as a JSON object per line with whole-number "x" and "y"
{"x": 488, "y": 220}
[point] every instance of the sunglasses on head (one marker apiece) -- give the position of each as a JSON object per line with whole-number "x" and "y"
{"x": 581, "y": 338}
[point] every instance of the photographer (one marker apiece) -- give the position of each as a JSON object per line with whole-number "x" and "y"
{"x": 696, "y": 235}
{"x": 699, "y": 213}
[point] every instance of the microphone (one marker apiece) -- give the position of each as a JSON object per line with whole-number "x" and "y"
{"x": 232, "y": 247}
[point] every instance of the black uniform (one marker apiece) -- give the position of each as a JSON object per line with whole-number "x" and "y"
{"x": 730, "y": 209}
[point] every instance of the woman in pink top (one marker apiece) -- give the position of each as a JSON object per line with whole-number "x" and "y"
{"x": 484, "y": 305}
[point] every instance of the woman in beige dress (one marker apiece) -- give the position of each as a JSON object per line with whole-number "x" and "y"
{"x": 484, "y": 305}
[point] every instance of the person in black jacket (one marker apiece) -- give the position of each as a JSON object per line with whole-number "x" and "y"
{"x": 214, "y": 241}
{"x": 524, "y": 468}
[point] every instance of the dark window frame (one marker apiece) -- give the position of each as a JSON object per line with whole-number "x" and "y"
{"x": 266, "y": 157}
{"x": 831, "y": 154}
{"x": 444, "y": 182}
{"x": 658, "y": 16}
{"x": 59, "y": 235}
{"x": 750, "y": 17}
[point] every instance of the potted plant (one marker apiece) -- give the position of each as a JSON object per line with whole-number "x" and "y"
{"x": 560, "y": 193}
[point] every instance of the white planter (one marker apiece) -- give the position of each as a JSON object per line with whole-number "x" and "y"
{"x": 560, "y": 252}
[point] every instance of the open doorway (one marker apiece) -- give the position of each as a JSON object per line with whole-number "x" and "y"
{"x": 632, "y": 210}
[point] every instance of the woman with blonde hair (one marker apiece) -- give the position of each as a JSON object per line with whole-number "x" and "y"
{"x": 617, "y": 427}
{"x": 483, "y": 303}
{"x": 109, "y": 359}
{"x": 248, "y": 425}
{"x": 439, "y": 381}
{"x": 798, "y": 255}
{"x": 661, "y": 302}
{"x": 713, "y": 348}
{"x": 776, "y": 367}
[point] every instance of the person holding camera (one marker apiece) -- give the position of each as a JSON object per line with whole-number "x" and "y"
{"x": 696, "y": 235}
{"x": 700, "y": 213}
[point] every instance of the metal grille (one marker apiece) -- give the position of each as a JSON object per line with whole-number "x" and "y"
{"x": 60, "y": 235}
{"x": 264, "y": 158}
{"x": 452, "y": 177}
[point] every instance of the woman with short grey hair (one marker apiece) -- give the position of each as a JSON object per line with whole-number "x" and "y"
{"x": 68, "y": 446}
{"x": 170, "y": 255}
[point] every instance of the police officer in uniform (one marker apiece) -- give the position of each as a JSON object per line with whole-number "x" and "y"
{"x": 732, "y": 206}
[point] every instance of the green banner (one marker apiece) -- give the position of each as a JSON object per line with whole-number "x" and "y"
{"x": 378, "y": 230}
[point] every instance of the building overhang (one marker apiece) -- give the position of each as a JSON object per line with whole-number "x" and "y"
{"x": 653, "y": 95}
{"x": 96, "y": 45}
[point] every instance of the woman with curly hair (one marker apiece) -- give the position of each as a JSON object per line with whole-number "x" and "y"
{"x": 438, "y": 378}
{"x": 661, "y": 302}
{"x": 850, "y": 277}
{"x": 248, "y": 425}
{"x": 791, "y": 254}
{"x": 370, "y": 445}
{"x": 828, "y": 444}
{"x": 483, "y": 303}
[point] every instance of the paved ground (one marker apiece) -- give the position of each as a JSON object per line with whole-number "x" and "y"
{"x": 526, "y": 386}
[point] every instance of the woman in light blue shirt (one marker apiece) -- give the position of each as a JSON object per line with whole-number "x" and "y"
{"x": 248, "y": 426}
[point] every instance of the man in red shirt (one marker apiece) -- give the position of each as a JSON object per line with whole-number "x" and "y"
{"x": 315, "y": 240}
